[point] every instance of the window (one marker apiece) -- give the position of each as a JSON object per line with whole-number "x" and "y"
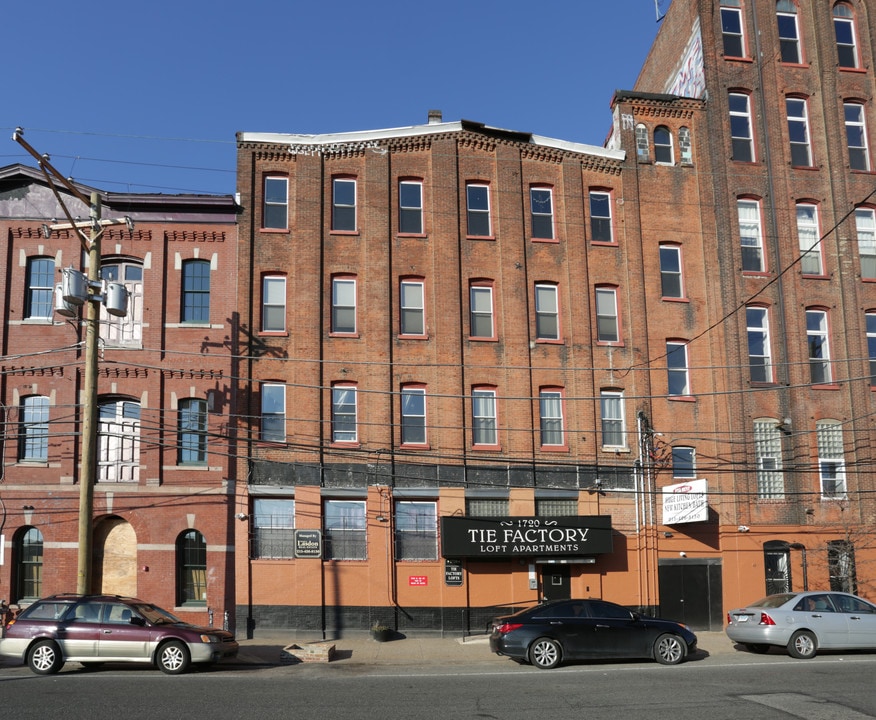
{"x": 483, "y": 411}
{"x": 684, "y": 462}
{"x": 777, "y": 566}
{"x": 843, "y": 574}
{"x": 831, "y": 462}
{"x": 643, "y": 151}
{"x": 750, "y": 235}
{"x": 275, "y": 213}
{"x": 411, "y": 308}
{"x": 663, "y": 152}
{"x": 542, "y": 209}
{"x": 28, "y": 549}
{"x": 819, "y": 348}
{"x": 789, "y": 35}
{"x": 670, "y": 271}
{"x": 865, "y": 225}
{"x": 345, "y": 530}
{"x": 481, "y": 311}
{"x": 731, "y": 29}
{"x": 760, "y": 364}
{"x": 607, "y": 325}
{"x": 410, "y": 207}
{"x": 192, "y": 432}
{"x": 273, "y": 412}
{"x": 600, "y": 217}
{"x": 124, "y": 331}
{"x": 477, "y": 199}
{"x": 195, "y": 291}
{"x": 844, "y": 28}
{"x": 768, "y": 459}
{"x": 274, "y": 304}
{"x": 344, "y": 205}
{"x": 807, "y": 234}
{"x": 741, "y": 135}
{"x": 798, "y": 132}
{"x": 856, "y": 136}
{"x": 677, "y": 368}
{"x": 33, "y": 443}
{"x": 344, "y": 305}
{"x": 556, "y": 507}
{"x": 416, "y": 530}
{"x": 191, "y": 567}
{"x": 486, "y": 507}
{"x": 118, "y": 441}
{"x": 344, "y": 414}
{"x": 413, "y": 416}
{"x": 550, "y": 405}
{"x": 547, "y": 315}
{"x": 871, "y": 346}
{"x": 273, "y": 528}
{"x": 685, "y": 145}
{"x": 612, "y": 414}
{"x": 40, "y": 288}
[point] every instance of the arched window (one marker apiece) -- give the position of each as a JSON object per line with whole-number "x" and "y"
{"x": 663, "y": 151}
{"x": 191, "y": 567}
{"x": 789, "y": 33}
{"x": 777, "y": 566}
{"x": 28, "y": 554}
{"x": 118, "y": 441}
{"x": 846, "y": 42}
{"x": 124, "y": 331}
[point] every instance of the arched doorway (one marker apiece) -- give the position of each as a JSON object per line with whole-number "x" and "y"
{"x": 115, "y": 558}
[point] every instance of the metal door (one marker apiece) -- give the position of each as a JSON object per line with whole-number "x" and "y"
{"x": 555, "y": 582}
{"x": 690, "y": 592}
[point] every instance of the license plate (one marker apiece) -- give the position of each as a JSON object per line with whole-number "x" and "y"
{"x": 742, "y": 618}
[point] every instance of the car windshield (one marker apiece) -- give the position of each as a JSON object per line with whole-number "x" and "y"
{"x": 157, "y": 615}
{"x": 773, "y": 601}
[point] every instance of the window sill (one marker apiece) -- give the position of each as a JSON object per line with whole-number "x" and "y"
{"x": 862, "y": 172}
{"x": 477, "y": 338}
{"x": 274, "y": 231}
{"x": 682, "y": 398}
{"x": 802, "y": 66}
{"x": 819, "y": 276}
{"x": 605, "y": 243}
{"x": 486, "y": 448}
{"x": 344, "y": 232}
{"x": 415, "y": 236}
{"x": 554, "y": 448}
{"x": 353, "y": 335}
{"x": 548, "y": 241}
{"x": 825, "y": 386}
{"x": 858, "y": 70}
{"x": 403, "y": 336}
{"x": 756, "y": 273}
{"x": 733, "y": 58}
{"x": 480, "y": 237}
{"x": 415, "y": 446}
{"x": 610, "y": 343}
{"x": 675, "y": 299}
{"x": 615, "y": 449}
{"x": 349, "y": 444}
{"x": 810, "y": 168}
{"x": 549, "y": 341}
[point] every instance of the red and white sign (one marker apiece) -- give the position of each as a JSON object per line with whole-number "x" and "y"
{"x": 418, "y": 580}
{"x": 686, "y": 502}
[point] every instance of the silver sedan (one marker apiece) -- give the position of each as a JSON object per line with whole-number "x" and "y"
{"x": 804, "y": 622}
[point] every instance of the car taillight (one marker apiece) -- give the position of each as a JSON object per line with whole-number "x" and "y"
{"x": 729, "y": 619}
{"x": 766, "y": 619}
{"x": 505, "y": 628}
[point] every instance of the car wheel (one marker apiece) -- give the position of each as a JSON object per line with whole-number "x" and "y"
{"x": 545, "y": 653}
{"x": 802, "y": 645}
{"x": 669, "y": 650}
{"x": 44, "y": 658}
{"x": 173, "y": 658}
{"x": 758, "y": 648}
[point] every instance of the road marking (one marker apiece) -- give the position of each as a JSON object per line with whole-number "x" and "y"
{"x": 804, "y": 706}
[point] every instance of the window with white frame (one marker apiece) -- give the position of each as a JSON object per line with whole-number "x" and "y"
{"x": 344, "y": 204}
{"x": 865, "y": 226}
{"x": 273, "y": 528}
{"x": 750, "y": 235}
{"x": 547, "y": 312}
{"x": 831, "y": 458}
{"x": 612, "y": 418}
{"x": 760, "y": 363}
{"x": 411, "y": 308}
{"x": 870, "y": 318}
{"x": 416, "y": 530}
{"x": 413, "y": 415}
{"x": 819, "y": 347}
{"x": 798, "y": 131}
{"x": 807, "y": 235}
{"x": 273, "y": 412}
{"x": 275, "y": 210}
{"x": 856, "y": 136}
{"x": 344, "y": 414}
{"x": 663, "y": 150}
{"x": 789, "y": 33}
{"x": 643, "y": 149}
{"x": 39, "y": 302}
{"x": 844, "y": 30}
{"x": 677, "y": 368}
{"x": 192, "y": 432}
{"x": 345, "y": 530}
{"x": 273, "y": 303}
{"x": 684, "y": 462}
{"x": 124, "y": 331}
{"x": 600, "y": 216}
{"x": 541, "y": 205}
{"x": 33, "y": 442}
{"x": 607, "y": 322}
{"x": 741, "y": 136}
{"x": 484, "y": 420}
{"x": 344, "y": 305}
{"x": 477, "y": 198}
{"x": 731, "y": 29}
{"x": 410, "y": 207}
{"x": 768, "y": 459}
{"x": 481, "y": 311}
{"x": 195, "y": 304}
{"x": 118, "y": 441}
{"x": 671, "y": 285}
{"x": 550, "y": 404}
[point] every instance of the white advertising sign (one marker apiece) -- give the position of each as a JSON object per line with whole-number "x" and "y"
{"x": 686, "y": 502}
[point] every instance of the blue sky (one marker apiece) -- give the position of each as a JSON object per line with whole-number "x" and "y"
{"x": 147, "y": 97}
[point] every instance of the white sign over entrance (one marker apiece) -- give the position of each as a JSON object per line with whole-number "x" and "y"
{"x": 686, "y": 502}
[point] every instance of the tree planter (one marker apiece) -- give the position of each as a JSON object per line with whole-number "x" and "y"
{"x": 381, "y": 633}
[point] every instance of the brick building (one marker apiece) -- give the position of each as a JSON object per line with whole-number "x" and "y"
{"x": 164, "y": 477}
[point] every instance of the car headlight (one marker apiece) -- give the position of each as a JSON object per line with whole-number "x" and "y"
{"x": 209, "y": 639}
